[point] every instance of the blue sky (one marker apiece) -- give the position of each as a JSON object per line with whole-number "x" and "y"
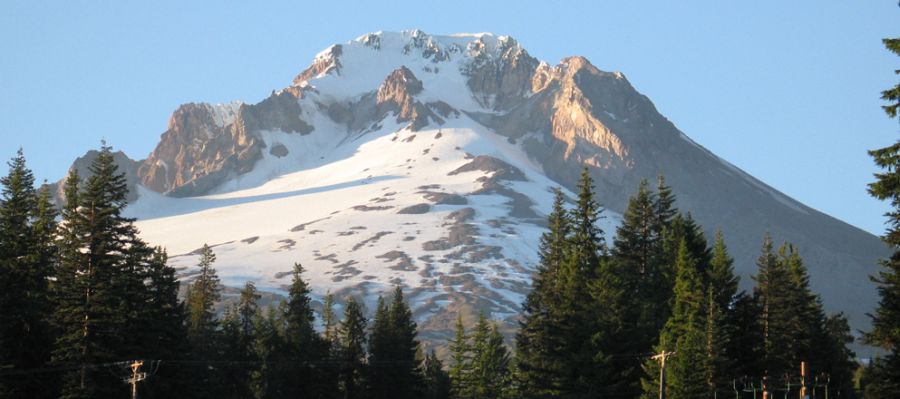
{"x": 788, "y": 91}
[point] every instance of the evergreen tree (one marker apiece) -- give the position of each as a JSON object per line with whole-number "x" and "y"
{"x": 578, "y": 317}
{"x": 776, "y": 320}
{"x": 100, "y": 294}
{"x": 166, "y": 337}
{"x": 538, "y": 339}
{"x": 722, "y": 289}
{"x": 303, "y": 345}
{"x": 436, "y": 380}
{"x": 70, "y": 295}
{"x": 886, "y": 318}
{"x": 380, "y": 353}
{"x": 267, "y": 377}
{"x": 328, "y": 318}
{"x": 460, "y": 370}
{"x": 490, "y": 361}
{"x": 202, "y": 295}
{"x": 352, "y": 353}
{"x": 202, "y": 326}
{"x": 404, "y": 346}
{"x": 25, "y": 265}
{"x": 684, "y": 334}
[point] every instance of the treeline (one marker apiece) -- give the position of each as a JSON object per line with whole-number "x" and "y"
{"x": 81, "y": 296}
{"x": 597, "y": 313}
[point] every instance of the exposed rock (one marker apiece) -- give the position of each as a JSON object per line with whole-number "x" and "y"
{"x": 500, "y": 77}
{"x": 489, "y": 164}
{"x": 445, "y": 198}
{"x": 415, "y": 209}
{"x": 396, "y": 95}
{"x": 82, "y": 165}
{"x": 279, "y": 150}
{"x": 326, "y": 62}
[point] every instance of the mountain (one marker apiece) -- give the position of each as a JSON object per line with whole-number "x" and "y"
{"x": 428, "y": 161}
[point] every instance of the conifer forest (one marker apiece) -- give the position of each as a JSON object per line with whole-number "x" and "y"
{"x": 651, "y": 310}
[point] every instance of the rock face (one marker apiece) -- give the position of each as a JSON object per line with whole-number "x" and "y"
{"x": 428, "y": 162}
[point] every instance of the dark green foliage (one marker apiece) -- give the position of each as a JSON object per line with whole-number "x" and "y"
{"x": 115, "y": 299}
{"x": 394, "y": 369}
{"x": 351, "y": 353}
{"x": 436, "y": 380}
{"x": 26, "y": 260}
{"x": 202, "y": 294}
{"x": 303, "y": 345}
{"x": 884, "y": 375}
{"x": 460, "y": 370}
{"x": 539, "y": 338}
{"x": 490, "y": 376}
{"x": 684, "y": 333}
{"x": 777, "y": 320}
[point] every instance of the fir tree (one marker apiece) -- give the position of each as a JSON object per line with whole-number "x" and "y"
{"x": 684, "y": 334}
{"x": 490, "y": 361}
{"x": 352, "y": 353}
{"x": 436, "y": 380}
{"x": 578, "y": 317}
{"x": 539, "y": 337}
{"x": 776, "y": 320}
{"x": 25, "y": 265}
{"x": 404, "y": 346}
{"x": 380, "y": 352}
{"x": 302, "y": 343}
{"x": 100, "y": 296}
{"x": 722, "y": 290}
{"x": 202, "y": 295}
{"x": 886, "y": 318}
{"x": 460, "y": 369}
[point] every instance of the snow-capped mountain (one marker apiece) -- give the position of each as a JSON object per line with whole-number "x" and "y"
{"x": 428, "y": 162}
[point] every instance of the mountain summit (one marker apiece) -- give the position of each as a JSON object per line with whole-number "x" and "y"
{"x": 428, "y": 161}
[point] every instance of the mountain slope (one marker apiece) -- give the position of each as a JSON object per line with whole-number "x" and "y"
{"x": 427, "y": 161}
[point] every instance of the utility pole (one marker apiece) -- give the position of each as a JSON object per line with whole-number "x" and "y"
{"x": 803, "y": 393}
{"x": 136, "y": 376}
{"x": 661, "y": 358}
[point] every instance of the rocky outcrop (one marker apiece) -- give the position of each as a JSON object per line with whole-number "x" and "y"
{"x": 206, "y": 144}
{"x": 82, "y": 165}
{"x": 395, "y": 96}
{"x": 499, "y": 75}
{"x": 326, "y": 62}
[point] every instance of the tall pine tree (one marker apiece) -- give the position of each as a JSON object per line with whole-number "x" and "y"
{"x": 885, "y": 375}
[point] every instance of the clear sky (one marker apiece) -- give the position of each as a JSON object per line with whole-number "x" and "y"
{"x": 786, "y": 90}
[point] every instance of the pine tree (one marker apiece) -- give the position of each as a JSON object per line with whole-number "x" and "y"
{"x": 100, "y": 294}
{"x": 166, "y": 337}
{"x": 722, "y": 287}
{"x": 303, "y": 345}
{"x": 436, "y": 380}
{"x": 352, "y": 353}
{"x": 72, "y": 345}
{"x": 202, "y": 295}
{"x": 267, "y": 377}
{"x": 202, "y": 326}
{"x": 404, "y": 345}
{"x": 684, "y": 334}
{"x": 538, "y": 338}
{"x": 490, "y": 361}
{"x": 460, "y": 369}
{"x": 886, "y": 318}
{"x": 776, "y": 320}
{"x": 578, "y": 317}
{"x": 25, "y": 265}
{"x": 328, "y": 318}
{"x": 380, "y": 352}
